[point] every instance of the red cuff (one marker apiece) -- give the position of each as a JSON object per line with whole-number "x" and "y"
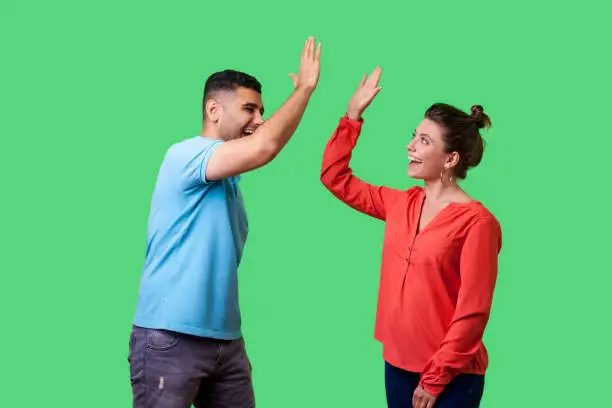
{"x": 357, "y": 124}
{"x": 432, "y": 389}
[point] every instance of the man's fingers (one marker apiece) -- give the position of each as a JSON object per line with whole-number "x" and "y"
{"x": 318, "y": 54}
{"x": 310, "y": 52}
{"x": 294, "y": 79}
{"x": 312, "y": 47}
{"x": 305, "y": 49}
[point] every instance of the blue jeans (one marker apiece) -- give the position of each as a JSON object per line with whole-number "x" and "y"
{"x": 174, "y": 370}
{"x": 464, "y": 391}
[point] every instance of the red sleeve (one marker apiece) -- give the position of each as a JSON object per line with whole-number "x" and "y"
{"x": 338, "y": 178}
{"x": 478, "y": 270}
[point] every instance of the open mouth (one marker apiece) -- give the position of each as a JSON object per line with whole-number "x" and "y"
{"x": 248, "y": 132}
{"x": 414, "y": 160}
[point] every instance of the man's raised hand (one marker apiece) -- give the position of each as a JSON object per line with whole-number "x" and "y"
{"x": 308, "y": 75}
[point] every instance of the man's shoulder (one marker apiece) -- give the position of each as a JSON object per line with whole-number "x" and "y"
{"x": 192, "y": 145}
{"x": 189, "y": 152}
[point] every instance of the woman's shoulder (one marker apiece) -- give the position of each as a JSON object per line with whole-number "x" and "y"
{"x": 403, "y": 196}
{"x": 414, "y": 192}
{"x": 479, "y": 213}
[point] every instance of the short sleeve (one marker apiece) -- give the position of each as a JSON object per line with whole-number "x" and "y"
{"x": 190, "y": 160}
{"x": 206, "y": 154}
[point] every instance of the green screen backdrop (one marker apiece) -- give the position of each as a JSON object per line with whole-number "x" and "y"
{"x": 93, "y": 93}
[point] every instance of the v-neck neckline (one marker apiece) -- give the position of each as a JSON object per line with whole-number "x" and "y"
{"x": 418, "y": 230}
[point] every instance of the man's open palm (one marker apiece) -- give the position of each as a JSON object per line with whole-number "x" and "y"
{"x": 308, "y": 75}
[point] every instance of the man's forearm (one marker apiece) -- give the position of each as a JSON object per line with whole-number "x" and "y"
{"x": 278, "y": 129}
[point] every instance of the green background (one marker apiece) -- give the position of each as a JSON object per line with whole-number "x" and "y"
{"x": 92, "y": 94}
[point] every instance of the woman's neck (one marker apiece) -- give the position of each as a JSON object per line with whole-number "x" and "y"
{"x": 436, "y": 191}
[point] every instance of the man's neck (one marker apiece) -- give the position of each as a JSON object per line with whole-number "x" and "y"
{"x": 209, "y": 132}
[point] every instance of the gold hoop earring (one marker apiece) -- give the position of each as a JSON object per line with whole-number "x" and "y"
{"x": 442, "y": 173}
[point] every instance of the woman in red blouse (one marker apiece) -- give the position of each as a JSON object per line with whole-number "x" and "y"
{"x": 439, "y": 260}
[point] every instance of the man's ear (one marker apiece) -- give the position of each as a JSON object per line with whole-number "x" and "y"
{"x": 212, "y": 108}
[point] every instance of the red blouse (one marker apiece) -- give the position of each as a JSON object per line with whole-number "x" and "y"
{"x": 436, "y": 286}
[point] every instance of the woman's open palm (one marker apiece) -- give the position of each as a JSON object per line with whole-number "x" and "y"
{"x": 365, "y": 93}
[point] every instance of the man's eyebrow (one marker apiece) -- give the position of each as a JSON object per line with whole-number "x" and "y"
{"x": 254, "y": 106}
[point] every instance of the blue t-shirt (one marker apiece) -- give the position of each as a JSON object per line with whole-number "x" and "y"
{"x": 196, "y": 233}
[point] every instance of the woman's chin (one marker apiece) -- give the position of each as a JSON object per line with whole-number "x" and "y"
{"x": 414, "y": 175}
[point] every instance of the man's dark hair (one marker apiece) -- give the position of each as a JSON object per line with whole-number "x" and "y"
{"x": 229, "y": 80}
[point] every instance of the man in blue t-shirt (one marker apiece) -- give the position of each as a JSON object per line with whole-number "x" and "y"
{"x": 186, "y": 345}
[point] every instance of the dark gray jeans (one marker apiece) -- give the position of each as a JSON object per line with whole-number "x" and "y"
{"x": 174, "y": 370}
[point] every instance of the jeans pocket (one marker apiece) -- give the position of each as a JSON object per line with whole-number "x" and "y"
{"x": 131, "y": 343}
{"x": 136, "y": 355}
{"x": 162, "y": 340}
{"x": 131, "y": 347}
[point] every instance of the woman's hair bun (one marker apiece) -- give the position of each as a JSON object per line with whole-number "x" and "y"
{"x": 479, "y": 117}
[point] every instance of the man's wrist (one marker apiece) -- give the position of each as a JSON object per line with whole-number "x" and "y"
{"x": 304, "y": 90}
